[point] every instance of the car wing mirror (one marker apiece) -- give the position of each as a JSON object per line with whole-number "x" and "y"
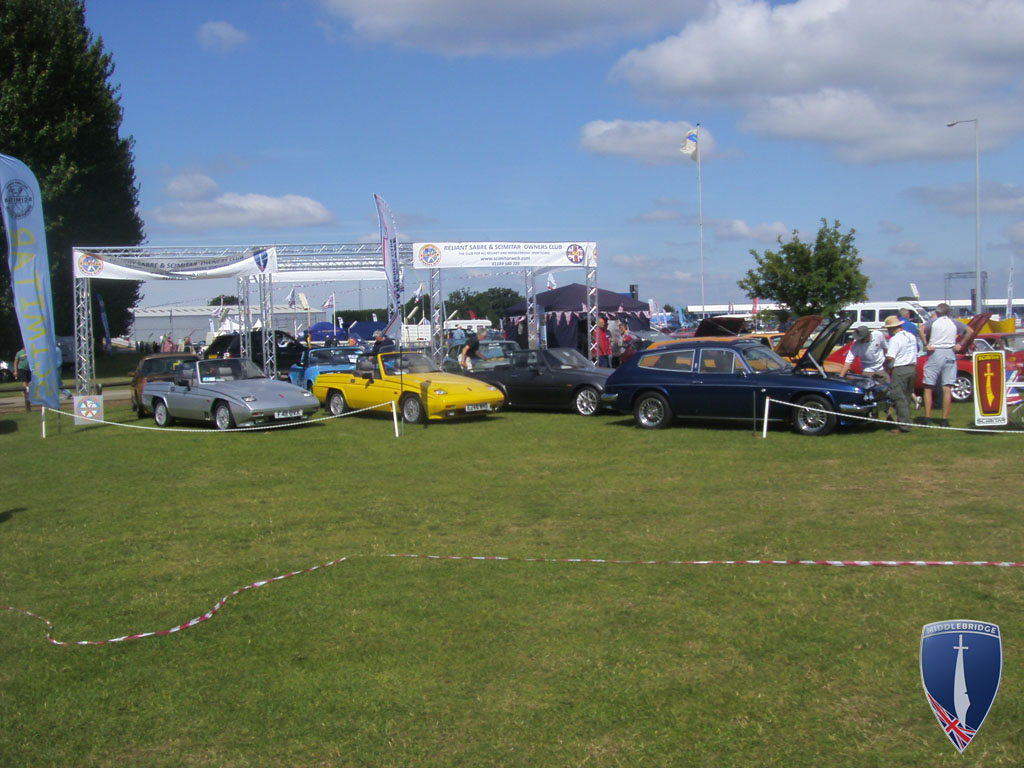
{"x": 183, "y": 381}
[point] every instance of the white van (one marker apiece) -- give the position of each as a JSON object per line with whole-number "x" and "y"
{"x": 873, "y": 313}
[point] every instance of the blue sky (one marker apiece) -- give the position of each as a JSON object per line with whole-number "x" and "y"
{"x": 555, "y": 120}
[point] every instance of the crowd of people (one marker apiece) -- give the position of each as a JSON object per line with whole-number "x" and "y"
{"x": 894, "y": 360}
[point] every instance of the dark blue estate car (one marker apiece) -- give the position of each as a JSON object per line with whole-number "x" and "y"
{"x": 730, "y": 379}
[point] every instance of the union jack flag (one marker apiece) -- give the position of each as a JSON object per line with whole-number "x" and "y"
{"x": 958, "y": 732}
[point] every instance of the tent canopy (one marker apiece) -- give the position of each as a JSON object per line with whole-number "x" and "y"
{"x": 573, "y": 298}
{"x": 565, "y": 315}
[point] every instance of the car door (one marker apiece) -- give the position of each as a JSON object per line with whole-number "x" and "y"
{"x": 528, "y": 378}
{"x": 722, "y": 385}
{"x": 671, "y": 371}
{"x": 180, "y": 397}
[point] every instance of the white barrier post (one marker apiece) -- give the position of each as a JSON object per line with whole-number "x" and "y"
{"x": 394, "y": 415}
{"x": 42, "y": 416}
{"x": 764, "y": 429}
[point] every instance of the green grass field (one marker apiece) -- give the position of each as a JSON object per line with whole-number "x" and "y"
{"x": 380, "y": 661}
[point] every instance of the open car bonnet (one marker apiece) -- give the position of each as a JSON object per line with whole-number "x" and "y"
{"x": 973, "y": 327}
{"x": 823, "y": 345}
{"x": 793, "y": 340}
{"x": 720, "y": 326}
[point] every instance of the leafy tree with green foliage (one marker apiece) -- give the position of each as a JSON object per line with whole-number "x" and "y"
{"x": 490, "y": 304}
{"x": 223, "y": 299}
{"x": 60, "y": 116}
{"x": 809, "y": 280}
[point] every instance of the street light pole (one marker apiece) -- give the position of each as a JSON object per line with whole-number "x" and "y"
{"x": 978, "y": 306}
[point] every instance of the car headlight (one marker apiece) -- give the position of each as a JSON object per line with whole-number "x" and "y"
{"x": 439, "y": 391}
{"x": 306, "y": 394}
{"x": 869, "y": 396}
{"x": 249, "y": 398}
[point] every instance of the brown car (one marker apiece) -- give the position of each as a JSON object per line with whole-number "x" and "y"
{"x": 159, "y": 367}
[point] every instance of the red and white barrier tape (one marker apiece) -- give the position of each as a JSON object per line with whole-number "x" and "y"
{"x": 191, "y": 623}
{"x": 832, "y": 563}
{"x": 498, "y": 558}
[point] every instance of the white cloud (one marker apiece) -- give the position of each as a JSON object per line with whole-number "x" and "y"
{"x": 651, "y": 142}
{"x": 510, "y": 29}
{"x": 878, "y": 79}
{"x": 232, "y": 211}
{"x": 220, "y": 37}
{"x": 736, "y": 229}
{"x": 191, "y": 186}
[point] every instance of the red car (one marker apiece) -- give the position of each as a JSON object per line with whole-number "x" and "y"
{"x": 963, "y": 387}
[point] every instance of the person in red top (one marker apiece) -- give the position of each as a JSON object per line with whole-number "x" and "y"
{"x": 604, "y": 344}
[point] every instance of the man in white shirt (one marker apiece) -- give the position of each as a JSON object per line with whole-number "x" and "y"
{"x": 939, "y": 336}
{"x": 869, "y": 346}
{"x": 901, "y": 361}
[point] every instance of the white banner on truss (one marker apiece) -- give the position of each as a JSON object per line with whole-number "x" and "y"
{"x": 245, "y": 264}
{"x": 503, "y": 255}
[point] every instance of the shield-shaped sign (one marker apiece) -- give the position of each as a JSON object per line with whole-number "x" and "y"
{"x": 961, "y": 663}
{"x": 261, "y": 258}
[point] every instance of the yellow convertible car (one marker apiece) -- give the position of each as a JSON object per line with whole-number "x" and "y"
{"x": 410, "y": 379}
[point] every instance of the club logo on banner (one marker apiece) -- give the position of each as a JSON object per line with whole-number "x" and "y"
{"x": 90, "y": 265}
{"x": 429, "y": 255}
{"x": 18, "y": 198}
{"x": 575, "y": 253}
{"x": 961, "y": 664}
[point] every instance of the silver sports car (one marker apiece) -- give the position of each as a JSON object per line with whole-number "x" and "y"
{"x": 231, "y": 392}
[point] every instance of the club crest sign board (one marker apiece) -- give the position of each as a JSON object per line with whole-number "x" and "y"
{"x": 990, "y": 388}
{"x": 961, "y": 664}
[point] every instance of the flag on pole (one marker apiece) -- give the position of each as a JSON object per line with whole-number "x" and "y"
{"x": 551, "y": 281}
{"x": 29, "y": 262}
{"x": 328, "y": 302}
{"x": 689, "y": 145}
{"x": 291, "y": 297}
{"x": 419, "y": 292}
{"x": 753, "y": 311}
{"x": 392, "y": 268}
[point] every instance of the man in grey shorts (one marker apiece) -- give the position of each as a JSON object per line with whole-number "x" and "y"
{"x": 940, "y": 339}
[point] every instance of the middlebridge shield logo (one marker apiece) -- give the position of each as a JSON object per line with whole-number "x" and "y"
{"x": 961, "y": 663}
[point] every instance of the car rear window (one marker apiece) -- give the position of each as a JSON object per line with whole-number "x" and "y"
{"x": 676, "y": 360}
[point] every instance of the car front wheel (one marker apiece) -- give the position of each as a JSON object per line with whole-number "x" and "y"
{"x": 652, "y": 411}
{"x": 412, "y": 409}
{"x": 586, "y": 401}
{"x": 161, "y": 416}
{"x": 222, "y": 418}
{"x": 820, "y": 421}
{"x": 963, "y": 388}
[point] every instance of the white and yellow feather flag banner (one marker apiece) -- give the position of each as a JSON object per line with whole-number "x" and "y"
{"x": 30, "y": 277}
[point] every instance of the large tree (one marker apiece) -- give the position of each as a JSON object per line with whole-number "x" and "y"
{"x": 60, "y": 115}
{"x": 806, "y": 279}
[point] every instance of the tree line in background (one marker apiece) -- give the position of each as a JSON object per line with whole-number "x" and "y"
{"x": 61, "y": 116}
{"x": 490, "y": 304}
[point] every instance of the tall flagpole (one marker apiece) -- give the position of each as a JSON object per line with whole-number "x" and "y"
{"x": 700, "y": 223}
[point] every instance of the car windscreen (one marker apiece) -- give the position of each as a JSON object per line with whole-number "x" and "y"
{"x": 230, "y": 369}
{"x": 566, "y": 357}
{"x": 763, "y": 360}
{"x": 398, "y": 363}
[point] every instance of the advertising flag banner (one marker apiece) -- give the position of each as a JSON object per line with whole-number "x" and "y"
{"x": 30, "y": 278}
{"x": 392, "y": 269}
{"x": 961, "y": 664}
{"x": 503, "y": 255}
{"x": 990, "y": 388}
